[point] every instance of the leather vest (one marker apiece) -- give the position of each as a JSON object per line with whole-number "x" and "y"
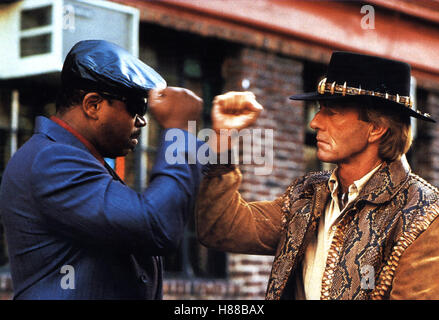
{"x": 392, "y": 210}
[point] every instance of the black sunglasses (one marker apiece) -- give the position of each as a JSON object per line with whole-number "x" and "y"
{"x": 135, "y": 106}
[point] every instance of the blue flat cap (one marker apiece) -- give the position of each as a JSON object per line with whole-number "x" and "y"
{"x": 104, "y": 66}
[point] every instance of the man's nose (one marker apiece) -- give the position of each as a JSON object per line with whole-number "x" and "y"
{"x": 315, "y": 123}
{"x": 140, "y": 121}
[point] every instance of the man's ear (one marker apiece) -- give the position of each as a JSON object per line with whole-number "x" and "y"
{"x": 376, "y": 132}
{"x": 91, "y": 105}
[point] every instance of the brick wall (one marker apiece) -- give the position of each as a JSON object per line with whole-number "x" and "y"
{"x": 200, "y": 289}
{"x": 250, "y": 273}
{"x": 272, "y": 79}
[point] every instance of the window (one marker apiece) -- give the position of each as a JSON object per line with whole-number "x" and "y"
{"x": 35, "y": 18}
{"x": 34, "y": 45}
{"x": 36, "y": 31}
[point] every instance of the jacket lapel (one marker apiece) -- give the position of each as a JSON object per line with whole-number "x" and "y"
{"x": 368, "y": 225}
{"x": 386, "y": 182}
{"x": 305, "y": 204}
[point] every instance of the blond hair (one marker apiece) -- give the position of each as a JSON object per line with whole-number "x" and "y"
{"x": 398, "y": 137}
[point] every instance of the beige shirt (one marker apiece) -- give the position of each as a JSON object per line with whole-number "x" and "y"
{"x": 316, "y": 253}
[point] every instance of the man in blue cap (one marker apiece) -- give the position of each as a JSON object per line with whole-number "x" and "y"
{"x": 74, "y": 229}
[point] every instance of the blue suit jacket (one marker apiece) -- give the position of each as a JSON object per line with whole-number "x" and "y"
{"x": 68, "y": 220}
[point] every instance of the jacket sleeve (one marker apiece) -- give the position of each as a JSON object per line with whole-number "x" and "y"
{"x": 225, "y": 221}
{"x": 79, "y": 199}
{"x": 416, "y": 274}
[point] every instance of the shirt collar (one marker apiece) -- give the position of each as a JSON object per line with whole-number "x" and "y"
{"x": 356, "y": 186}
{"x": 80, "y": 137}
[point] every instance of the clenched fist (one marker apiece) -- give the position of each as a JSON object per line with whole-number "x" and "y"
{"x": 232, "y": 110}
{"x": 235, "y": 110}
{"x": 173, "y": 107}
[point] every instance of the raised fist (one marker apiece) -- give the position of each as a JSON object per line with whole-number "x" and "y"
{"x": 235, "y": 110}
{"x": 173, "y": 107}
{"x": 232, "y": 110}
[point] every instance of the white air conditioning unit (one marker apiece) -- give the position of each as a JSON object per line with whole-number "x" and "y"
{"x": 36, "y": 35}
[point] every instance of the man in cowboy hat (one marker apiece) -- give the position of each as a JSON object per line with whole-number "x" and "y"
{"x": 365, "y": 230}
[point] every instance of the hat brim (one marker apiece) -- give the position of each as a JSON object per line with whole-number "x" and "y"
{"x": 315, "y": 96}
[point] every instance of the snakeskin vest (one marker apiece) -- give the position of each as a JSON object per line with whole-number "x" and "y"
{"x": 394, "y": 207}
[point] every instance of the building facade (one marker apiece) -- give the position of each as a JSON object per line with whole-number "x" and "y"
{"x": 273, "y": 48}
